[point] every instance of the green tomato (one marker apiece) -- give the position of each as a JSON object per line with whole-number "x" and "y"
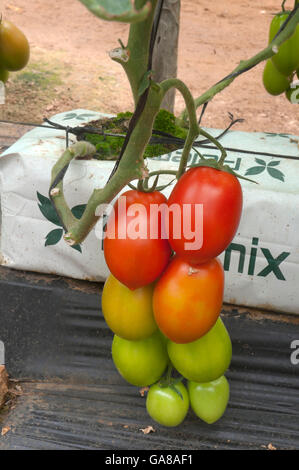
{"x": 274, "y": 82}
{"x": 209, "y": 400}
{"x": 166, "y": 406}
{"x": 287, "y": 58}
{"x": 205, "y": 359}
{"x": 292, "y": 94}
{"x": 142, "y": 362}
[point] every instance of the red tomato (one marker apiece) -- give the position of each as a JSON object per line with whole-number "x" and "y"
{"x": 188, "y": 299}
{"x": 135, "y": 248}
{"x": 220, "y": 194}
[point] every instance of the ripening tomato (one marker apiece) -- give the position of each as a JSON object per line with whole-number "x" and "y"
{"x": 203, "y": 360}
{"x": 129, "y": 314}
{"x": 135, "y": 246}
{"x": 14, "y": 47}
{"x": 286, "y": 60}
{"x": 187, "y": 300}
{"x": 200, "y": 236}
{"x": 274, "y": 82}
{"x": 167, "y": 406}
{"x": 142, "y": 362}
{"x": 209, "y": 400}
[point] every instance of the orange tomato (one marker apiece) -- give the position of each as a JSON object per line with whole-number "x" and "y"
{"x": 128, "y": 313}
{"x": 187, "y": 299}
{"x": 14, "y": 47}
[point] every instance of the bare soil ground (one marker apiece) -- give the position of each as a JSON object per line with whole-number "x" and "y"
{"x": 70, "y": 68}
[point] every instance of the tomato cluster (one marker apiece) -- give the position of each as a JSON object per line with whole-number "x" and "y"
{"x": 282, "y": 70}
{"x": 14, "y": 49}
{"x": 164, "y": 295}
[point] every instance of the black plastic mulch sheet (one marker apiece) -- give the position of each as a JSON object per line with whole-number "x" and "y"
{"x": 59, "y": 346}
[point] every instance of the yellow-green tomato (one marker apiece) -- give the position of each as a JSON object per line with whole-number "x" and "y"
{"x": 209, "y": 400}
{"x": 286, "y": 60}
{"x": 166, "y": 406}
{"x": 292, "y": 94}
{"x": 142, "y": 362}
{"x": 4, "y": 74}
{"x": 274, "y": 82}
{"x": 205, "y": 359}
{"x": 128, "y": 313}
{"x": 14, "y": 47}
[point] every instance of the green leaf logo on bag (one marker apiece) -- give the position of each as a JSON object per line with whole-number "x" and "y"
{"x": 48, "y": 211}
{"x": 270, "y": 167}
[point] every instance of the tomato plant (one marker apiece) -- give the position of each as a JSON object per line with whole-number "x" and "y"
{"x": 287, "y": 59}
{"x": 134, "y": 256}
{"x": 166, "y": 405}
{"x": 14, "y": 47}
{"x": 142, "y": 362}
{"x": 187, "y": 300}
{"x": 274, "y": 82}
{"x": 220, "y": 195}
{"x": 209, "y": 400}
{"x": 205, "y": 359}
{"x": 129, "y": 314}
{"x": 188, "y": 290}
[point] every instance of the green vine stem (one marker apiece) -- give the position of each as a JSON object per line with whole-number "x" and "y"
{"x": 80, "y": 149}
{"x": 194, "y": 129}
{"x": 246, "y": 65}
{"x": 134, "y": 57}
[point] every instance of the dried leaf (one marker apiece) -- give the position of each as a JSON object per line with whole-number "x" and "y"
{"x": 3, "y": 384}
{"x": 5, "y": 430}
{"x": 271, "y": 447}
{"x": 148, "y": 430}
{"x": 143, "y": 390}
{"x": 14, "y": 8}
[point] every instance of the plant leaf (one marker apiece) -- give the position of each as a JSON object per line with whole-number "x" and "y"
{"x": 84, "y": 115}
{"x": 277, "y": 162}
{"x": 69, "y": 116}
{"x": 54, "y": 237}
{"x": 260, "y": 161}
{"x": 77, "y": 211}
{"x": 255, "y": 170}
{"x": 77, "y": 247}
{"x": 277, "y": 174}
{"x": 48, "y": 210}
{"x": 118, "y": 10}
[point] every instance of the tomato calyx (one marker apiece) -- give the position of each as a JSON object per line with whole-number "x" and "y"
{"x": 212, "y": 163}
{"x": 143, "y": 184}
{"x": 167, "y": 381}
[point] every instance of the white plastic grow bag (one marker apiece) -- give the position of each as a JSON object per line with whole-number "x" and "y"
{"x": 261, "y": 264}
